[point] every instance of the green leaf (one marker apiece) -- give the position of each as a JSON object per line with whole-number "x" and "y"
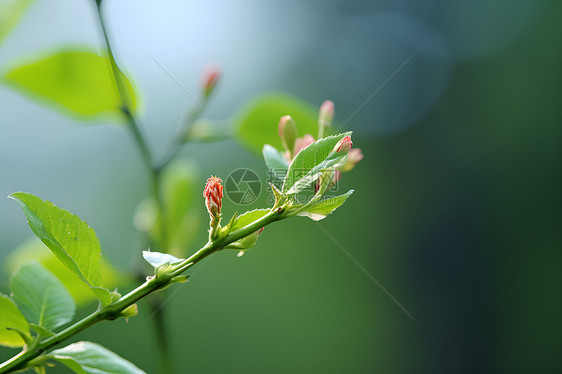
{"x": 41, "y": 297}
{"x": 41, "y": 331}
{"x": 10, "y": 13}
{"x": 79, "y": 82}
{"x": 321, "y": 209}
{"x": 92, "y": 358}
{"x": 11, "y": 317}
{"x": 247, "y": 218}
{"x": 311, "y": 161}
{"x": 70, "y": 239}
{"x": 256, "y": 124}
{"x": 241, "y": 221}
{"x": 34, "y": 249}
{"x": 157, "y": 259}
{"x": 275, "y": 161}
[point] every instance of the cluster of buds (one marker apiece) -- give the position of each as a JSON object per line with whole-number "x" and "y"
{"x": 293, "y": 145}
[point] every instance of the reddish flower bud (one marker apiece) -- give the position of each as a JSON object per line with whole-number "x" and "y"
{"x": 344, "y": 145}
{"x": 211, "y": 76}
{"x": 213, "y": 196}
{"x": 326, "y": 114}
{"x": 302, "y": 142}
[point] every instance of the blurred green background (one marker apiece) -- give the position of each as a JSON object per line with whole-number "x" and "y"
{"x": 457, "y": 205}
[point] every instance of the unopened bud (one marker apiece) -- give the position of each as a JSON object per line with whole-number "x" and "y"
{"x": 288, "y": 132}
{"x": 213, "y": 196}
{"x": 303, "y": 142}
{"x": 344, "y": 145}
{"x": 211, "y": 76}
{"x": 326, "y": 114}
{"x": 354, "y": 156}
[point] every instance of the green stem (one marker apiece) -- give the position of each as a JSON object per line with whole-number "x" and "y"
{"x": 153, "y": 175}
{"x": 161, "y": 331}
{"x": 135, "y": 129}
{"x": 179, "y": 139}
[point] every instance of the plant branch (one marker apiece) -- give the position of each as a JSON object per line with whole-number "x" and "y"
{"x": 153, "y": 283}
{"x": 126, "y": 110}
{"x": 179, "y": 139}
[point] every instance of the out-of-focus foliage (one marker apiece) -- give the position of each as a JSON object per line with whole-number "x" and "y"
{"x": 34, "y": 249}
{"x": 79, "y": 81}
{"x": 10, "y": 13}
{"x": 256, "y": 123}
{"x": 180, "y": 187}
{"x": 11, "y": 317}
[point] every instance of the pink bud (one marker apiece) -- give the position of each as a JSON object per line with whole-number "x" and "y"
{"x": 344, "y": 145}
{"x": 326, "y": 113}
{"x": 288, "y": 132}
{"x": 213, "y": 196}
{"x": 210, "y": 78}
{"x": 303, "y": 142}
{"x": 354, "y": 156}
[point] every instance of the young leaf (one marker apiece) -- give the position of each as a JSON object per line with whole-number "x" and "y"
{"x": 11, "y": 317}
{"x": 33, "y": 249}
{"x": 321, "y": 209}
{"x": 70, "y": 239}
{"x": 256, "y": 123}
{"x": 311, "y": 161}
{"x": 81, "y": 82}
{"x": 41, "y": 297}
{"x": 242, "y": 221}
{"x": 157, "y": 259}
{"x": 247, "y": 218}
{"x": 10, "y": 13}
{"x": 275, "y": 161}
{"x": 91, "y": 358}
